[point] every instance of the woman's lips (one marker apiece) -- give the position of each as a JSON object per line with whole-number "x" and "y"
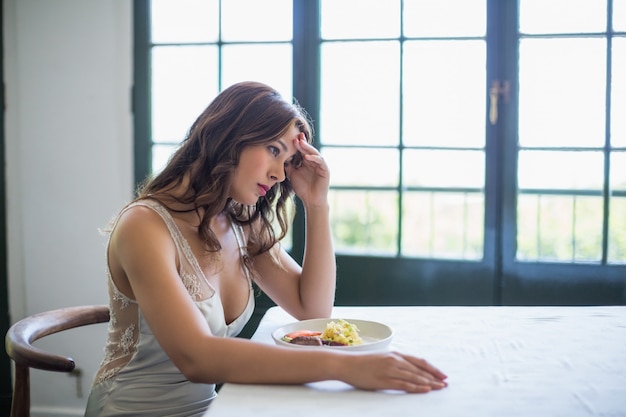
{"x": 263, "y": 189}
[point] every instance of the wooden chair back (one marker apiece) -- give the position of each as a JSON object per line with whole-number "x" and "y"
{"x": 21, "y": 335}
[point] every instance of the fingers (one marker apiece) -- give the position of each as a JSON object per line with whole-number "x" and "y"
{"x": 395, "y": 371}
{"x": 311, "y": 157}
{"x": 318, "y": 159}
{"x": 419, "y": 382}
{"x": 306, "y": 149}
{"x": 423, "y": 364}
{"x": 416, "y": 375}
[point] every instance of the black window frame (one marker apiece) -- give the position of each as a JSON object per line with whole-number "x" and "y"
{"x": 400, "y": 281}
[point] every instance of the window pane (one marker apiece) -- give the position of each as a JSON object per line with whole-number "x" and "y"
{"x": 428, "y": 168}
{"x": 184, "y": 81}
{"x": 619, "y": 15}
{"x": 270, "y": 64}
{"x": 160, "y": 155}
{"x": 364, "y": 221}
{"x": 618, "y": 171}
{"x": 444, "y": 18}
{"x": 362, "y": 167}
{"x": 618, "y": 93}
{"x": 560, "y": 170}
{"x": 562, "y": 92}
{"x": 253, "y": 20}
{"x": 444, "y": 93}
{"x": 562, "y": 16}
{"x": 559, "y": 228}
{"x": 443, "y": 225}
{"x": 617, "y": 230}
{"x": 178, "y": 21}
{"x": 588, "y": 215}
{"x": 353, "y": 19}
{"x": 360, "y": 97}
{"x": 287, "y": 241}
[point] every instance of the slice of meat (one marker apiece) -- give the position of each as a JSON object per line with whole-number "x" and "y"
{"x": 298, "y": 333}
{"x": 307, "y": 341}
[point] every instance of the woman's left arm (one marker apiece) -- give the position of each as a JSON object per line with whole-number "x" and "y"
{"x": 307, "y": 291}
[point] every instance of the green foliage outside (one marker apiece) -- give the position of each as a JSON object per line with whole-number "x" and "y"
{"x": 451, "y": 226}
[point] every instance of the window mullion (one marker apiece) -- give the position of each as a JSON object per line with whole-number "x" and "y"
{"x": 141, "y": 91}
{"x": 306, "y": 85}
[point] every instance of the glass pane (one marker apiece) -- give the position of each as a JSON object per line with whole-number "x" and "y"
{"x": 617, "y": 230}
{"x": 443, "y": 225}
{"x": 528, "y": 208}
{"x": 429, "y": 168}
{"x": 287, "y": 242}
{"x": 269, "y": 64}
{"x": 160, "y": 155}
{"x": 617, "y": 177}
{"x": 560, "y": 170}
{"x": 559, "y": 228}
{"x": 178, "y": 21}
{"x": 253, "y": 20}
{"x": 362, "y": 167}
{"x": 619, "y": 15}
{"x": 364, "y": 221}
{"x": 562, "y": 92}
{"x": 444, "y": 18}
{"x": 360, "y": 93}
{"x": 354, "y": 19}
{"x": 562, "y": 16}
{"x": 588, "y": 214}
{"x": 444, "y": 93}
{"x": 618, "y": 93}
{"x": 184, "y": 81}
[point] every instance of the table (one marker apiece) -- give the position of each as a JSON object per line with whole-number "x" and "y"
{"x": 500, "y": 361}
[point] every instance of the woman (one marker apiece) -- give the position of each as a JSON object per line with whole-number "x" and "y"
{"x": 182, "y": 258}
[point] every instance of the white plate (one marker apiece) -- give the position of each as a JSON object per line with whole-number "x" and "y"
{"x": 375, "y": 335}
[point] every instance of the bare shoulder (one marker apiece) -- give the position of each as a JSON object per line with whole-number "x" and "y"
{"x": 138, "y": 216}
{"x": 139, "y": 225}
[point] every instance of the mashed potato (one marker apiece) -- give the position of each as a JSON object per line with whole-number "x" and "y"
{"x": 342, "y": 332}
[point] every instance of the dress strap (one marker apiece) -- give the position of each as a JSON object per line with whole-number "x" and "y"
{"x": 240, "y": 236}
{"x": 243, "y": 248}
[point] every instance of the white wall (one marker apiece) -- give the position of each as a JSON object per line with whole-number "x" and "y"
{"x": 68, "y": 77}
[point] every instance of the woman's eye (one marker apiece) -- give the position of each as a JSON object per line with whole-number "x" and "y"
{"x": 274, "y": 150}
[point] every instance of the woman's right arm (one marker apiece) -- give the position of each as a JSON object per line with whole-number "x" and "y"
{"x": 143, "y": 252}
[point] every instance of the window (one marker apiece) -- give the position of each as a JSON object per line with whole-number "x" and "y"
{"x": 571, "y": 140}
{"x": 403, "y": 100}
{"x": 198, "y": 47}
{"x": 477, "y": 150}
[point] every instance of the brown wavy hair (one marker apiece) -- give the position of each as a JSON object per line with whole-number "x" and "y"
{"x": 244, "y": 114}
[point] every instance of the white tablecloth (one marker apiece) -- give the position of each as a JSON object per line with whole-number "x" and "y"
{"x": 500, "y": 361}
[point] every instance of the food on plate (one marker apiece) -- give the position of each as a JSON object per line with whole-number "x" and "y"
{"x": 342, "y": 332}
{"x": 301, "y": 333}
{"x": 336, "y": 333}
{"x": 307, "y": 341}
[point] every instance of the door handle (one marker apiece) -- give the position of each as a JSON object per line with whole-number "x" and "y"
{"x": 494, "y": 93}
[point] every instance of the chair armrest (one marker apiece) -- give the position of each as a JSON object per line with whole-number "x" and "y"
{"x": 21, "y": 335}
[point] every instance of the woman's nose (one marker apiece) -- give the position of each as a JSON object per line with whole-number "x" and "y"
{"x": 278, "y": 173}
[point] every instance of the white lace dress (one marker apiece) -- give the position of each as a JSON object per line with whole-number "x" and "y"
{"x": 136, "y": 377}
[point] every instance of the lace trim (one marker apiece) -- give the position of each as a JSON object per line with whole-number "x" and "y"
{"x": 124, "y": 333}
{"x": 120, "y": 297}
{"x": 193, "y": 286}
{"x": 108, "y": 374}
{"x": 122, "y": 342}
{"x": 127, "y": 341}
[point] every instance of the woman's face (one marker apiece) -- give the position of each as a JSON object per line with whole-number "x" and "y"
{"x": 262, "y": 166}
